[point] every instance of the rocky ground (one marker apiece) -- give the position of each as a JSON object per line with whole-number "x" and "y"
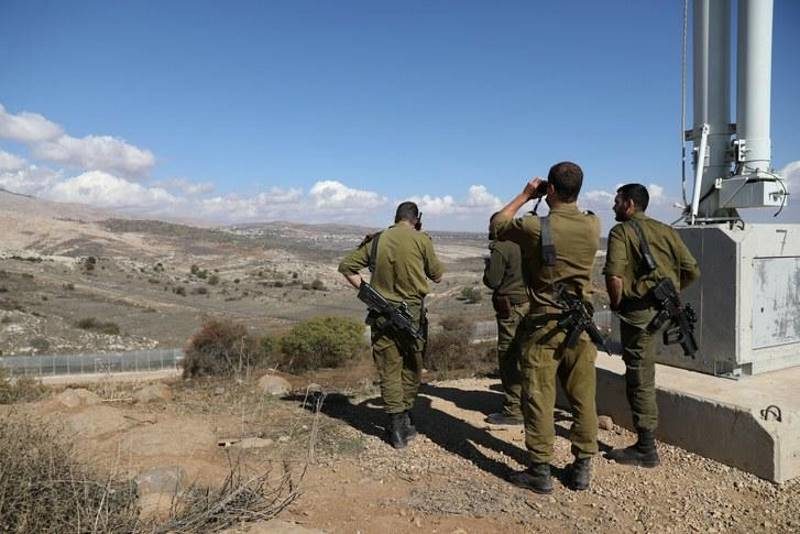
{"x": 452, "y": 479}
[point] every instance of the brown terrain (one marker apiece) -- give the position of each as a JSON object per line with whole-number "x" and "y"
{"x": 324, "y": 433}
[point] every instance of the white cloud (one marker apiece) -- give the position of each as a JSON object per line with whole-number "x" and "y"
{"x": 10, "y": 162}
{"x": 479, "y": 197}
{"x": 334, "y": 195}
{"x": 99, "y": 188}
{"x": 29, "y": 180}
{"x": 27, "y": 127}
{"x": 187, "y": 187}
{"x": 104, "y": 153}
{"x": 791, "y": 173}
{"x": 478, "y": 202}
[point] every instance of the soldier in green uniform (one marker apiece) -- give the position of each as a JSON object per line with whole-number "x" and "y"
{"x": 629, "y": 283}
{"x": 503, "y": 275}
{"x": 559, "y": 250}
{"x": 402, "y": 261}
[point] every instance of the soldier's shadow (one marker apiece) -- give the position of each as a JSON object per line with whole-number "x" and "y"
{"x": 448, "y": 432}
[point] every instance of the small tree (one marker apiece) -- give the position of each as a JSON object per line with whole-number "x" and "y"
{"x": 221, "y": 348}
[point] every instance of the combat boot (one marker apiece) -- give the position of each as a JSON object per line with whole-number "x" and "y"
{"x": 395, "y": 434}
{"x": 642, "y": 453}
{"x": 409, "y": 430}
{"x": 500, "y": 418}
{"x": 535, "y": 478}
{"x": 581, "y": 474}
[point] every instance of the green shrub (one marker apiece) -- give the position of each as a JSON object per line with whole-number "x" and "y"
{"x": 221, "y": 348}
{"x": 213, "y": 280}
{"x": 90, "y": 323}
{"x": 471, "y": 294}
{"x": 322, "y": 342}
{"x": 318, "y": 285}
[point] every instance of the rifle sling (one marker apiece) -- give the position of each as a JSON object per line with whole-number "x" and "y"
{"x": 373, "y": 252}
{"x": 644, "y": 247}
{"x": 548, "y": 247}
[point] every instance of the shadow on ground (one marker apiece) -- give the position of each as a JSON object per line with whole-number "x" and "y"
{"x": 450, "y": 433}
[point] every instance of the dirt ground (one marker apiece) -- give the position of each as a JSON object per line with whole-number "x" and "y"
{"x": 452, "y": 479}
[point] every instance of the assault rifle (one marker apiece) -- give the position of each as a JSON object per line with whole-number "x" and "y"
{"x": 397, "y": 317}
{"x": 682, "y": 318}
{"x": 577, "y": 317}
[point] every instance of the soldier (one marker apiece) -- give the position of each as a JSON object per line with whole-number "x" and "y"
{"x": 402, "y": 260}
{"x": 629, "y": 283}
{"x": 503, "y": 275}
{"x": 559, "y": 251}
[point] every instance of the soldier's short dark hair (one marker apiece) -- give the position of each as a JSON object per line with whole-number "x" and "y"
{"x": 407, "y": 211}
{"x": 567, "y": 179}
{"x": 637, "y": 193}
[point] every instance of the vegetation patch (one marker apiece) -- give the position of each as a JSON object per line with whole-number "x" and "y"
{"x": 104, "y": 327}
{"x": 322, "y": 342}
{"x": 222, "y": 348}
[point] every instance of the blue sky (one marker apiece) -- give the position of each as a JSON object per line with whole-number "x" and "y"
{"x": 323, "y": 111}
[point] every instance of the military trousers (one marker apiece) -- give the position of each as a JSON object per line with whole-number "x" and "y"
{"x": 638, "y": 352}
{"x": 545, "y": 359}
{"x": 398, "y": 359}
{"x": 508, "y": 358}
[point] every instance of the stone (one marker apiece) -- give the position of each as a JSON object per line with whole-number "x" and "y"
{"x": 605, "y": 422}
{"x": 74, "y": 398}
{"x": 166, "y": 479}
{"x": 274, "y": 385}
{"x": 153, "y": 393}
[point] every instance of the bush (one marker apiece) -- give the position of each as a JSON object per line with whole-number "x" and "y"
{"x": 40, "y": 343}
{"x": 213, "y": 280}
{"x": 45, "y": 489}
{"x": 179, "y": 290}
{"x": 23, "y": 389}
{"x": 200, "y": 291}
{"x": 90, "y": 323}
{"x": 322, "y": 342}
{"x": 221, "y": 348}
{"x": 318, "y": 285}
{"x": 450, "y": 349}
{"x": 472, "y": 294}
{"x": 89, "y": 263}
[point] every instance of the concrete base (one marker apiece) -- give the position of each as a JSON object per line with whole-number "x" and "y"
{"x": 718, "y": 418}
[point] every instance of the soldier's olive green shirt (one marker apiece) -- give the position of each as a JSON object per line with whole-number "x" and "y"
{"x": 503, "y": 272}
{"x": 576, "y": 236}
{"x": 624, "y": 259}
{"x": 405, "y": 261}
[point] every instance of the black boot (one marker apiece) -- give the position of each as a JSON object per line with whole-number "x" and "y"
{"x": 535, "y": 478}
{"x": 581, "y": 474}
{"x": 643, "y": 453}
{"x": 395, "y": 430}
{"x": 409, "y": 430}
{"x": 500, "y": 418}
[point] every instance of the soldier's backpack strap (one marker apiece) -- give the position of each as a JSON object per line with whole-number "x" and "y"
{"x": 548, "y": 247}
{"x": 373, "y": 252}
{"x": 644, "y": 247}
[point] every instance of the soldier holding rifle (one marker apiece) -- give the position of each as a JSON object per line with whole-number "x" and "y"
{"x": 554, "y": 338}
{"x": 402, "y": 260}
{"x": 646, "y": 262}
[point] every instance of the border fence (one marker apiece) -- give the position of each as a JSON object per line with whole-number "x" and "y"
{"x": 97, "y": 363}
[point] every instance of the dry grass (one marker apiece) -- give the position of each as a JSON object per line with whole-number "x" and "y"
{"x": 44, "y": 489}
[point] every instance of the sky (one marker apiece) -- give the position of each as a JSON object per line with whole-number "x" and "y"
{"x": 317, "y": 111}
